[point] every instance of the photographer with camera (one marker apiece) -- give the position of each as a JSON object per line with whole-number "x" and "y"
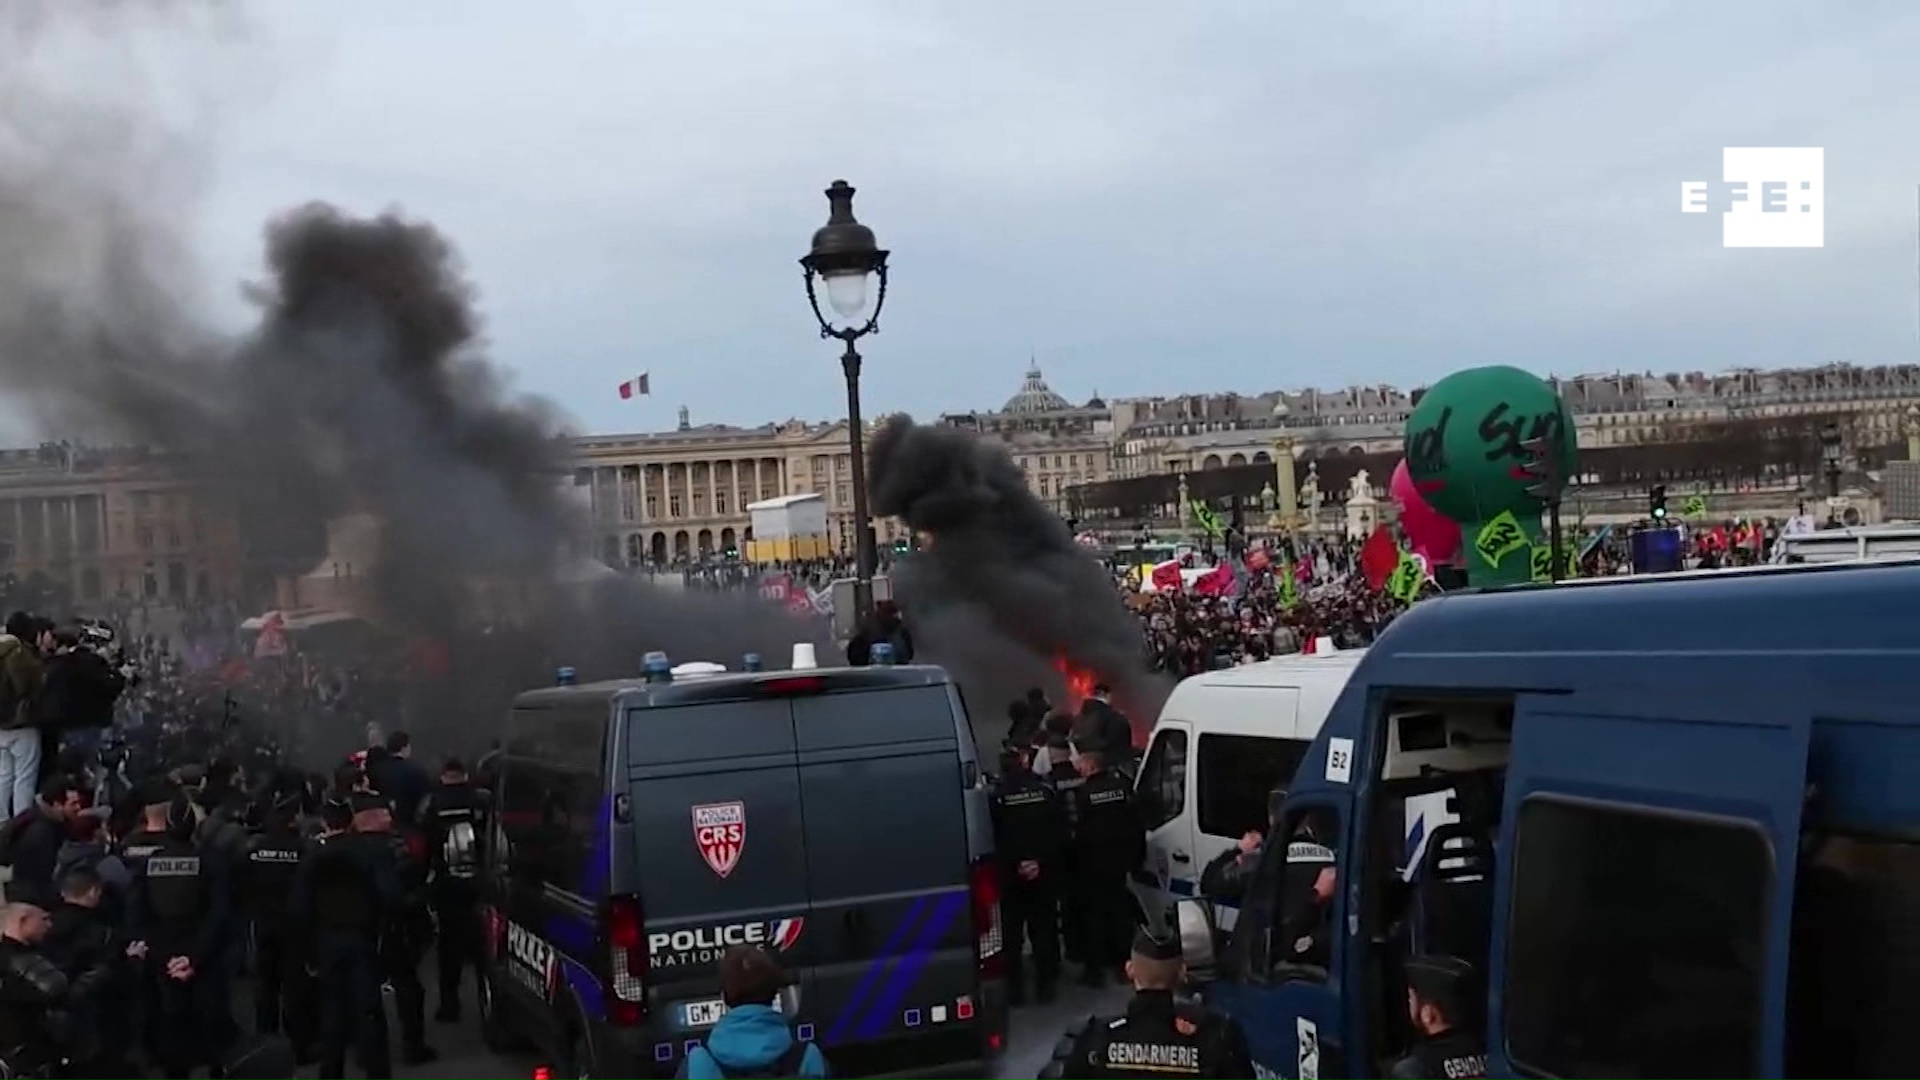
{"x": 22, "y": 677}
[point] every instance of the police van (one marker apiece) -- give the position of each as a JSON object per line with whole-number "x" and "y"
{"x": 1223, "y": 740}
{"x": 834, "y": 817}
{"x": 1687, "y": 838}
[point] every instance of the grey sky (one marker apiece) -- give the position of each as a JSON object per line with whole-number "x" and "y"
{"x": 1151, "y": 198}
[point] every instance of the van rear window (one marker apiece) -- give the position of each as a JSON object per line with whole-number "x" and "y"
{"x": 674, "y": 734}
{"x": 873, "y": 717}
{"x": 1236, "y": 773}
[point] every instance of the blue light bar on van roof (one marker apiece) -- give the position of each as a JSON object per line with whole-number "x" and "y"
{"x": 656, "y": 667}
{"x": 565, "y": 676}
{"x": 752, "y": 662}
{"x": 880, "y": 654}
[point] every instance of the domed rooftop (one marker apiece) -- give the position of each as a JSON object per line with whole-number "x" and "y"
{"x": 1035, "y": 396}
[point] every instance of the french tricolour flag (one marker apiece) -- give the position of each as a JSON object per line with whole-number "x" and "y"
{"x": 635, "y": 387}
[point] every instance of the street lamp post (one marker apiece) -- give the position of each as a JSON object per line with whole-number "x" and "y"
{"x": 844, "y": 255}
{"x": 1830, "y": 458}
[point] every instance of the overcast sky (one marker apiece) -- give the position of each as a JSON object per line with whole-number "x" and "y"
{"x": 1149, "y": 198}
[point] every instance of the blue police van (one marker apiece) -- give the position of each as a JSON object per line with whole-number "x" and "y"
{"x": 832, "y": 816}
{"x": 1687, "y": 839}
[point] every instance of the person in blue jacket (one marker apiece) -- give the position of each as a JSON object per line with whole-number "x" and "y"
{"x": 753, "y": 1038}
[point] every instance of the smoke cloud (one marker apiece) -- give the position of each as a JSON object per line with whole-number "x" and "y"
{"x": 1002, "y": 590}
{"x": 363, "y": 387}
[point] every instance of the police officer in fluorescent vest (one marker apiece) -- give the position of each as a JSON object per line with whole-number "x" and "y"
{"x": 455, "y": 819}
{"x": 1440, "y": 999}
{"x": 179, "y": 918}
{"x": 1159, "y": 1035}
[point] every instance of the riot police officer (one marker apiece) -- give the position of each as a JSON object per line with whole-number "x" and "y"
{"x": 1108, "y": 844}
{"x": 1440, "y": 992}
{"x": 1065, "y": 778}
{"x": 282, "y": 990}
{"x": 178, "y": 915}
{"x": 344, "y": 892}
{"x": 456, "y": 827}
{"x": 1159, "y": 1035}
{"x": 1030, "y": 837}
{"x": 408, "y": 931}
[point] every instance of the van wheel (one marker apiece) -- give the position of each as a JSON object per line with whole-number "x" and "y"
{"x": 576, "y": 1057}
{"x": 495, "y": 1029}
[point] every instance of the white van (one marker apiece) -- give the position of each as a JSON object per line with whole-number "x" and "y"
{"x": 1223, "y": 741}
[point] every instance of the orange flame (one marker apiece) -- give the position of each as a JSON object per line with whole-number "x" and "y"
{"x": 1080, "y": 682}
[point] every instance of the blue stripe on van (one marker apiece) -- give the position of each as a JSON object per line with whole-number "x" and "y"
{"x": 907, "y": 971}
{"x": 1176, "y": 886}
{"x": 876, "y": 968}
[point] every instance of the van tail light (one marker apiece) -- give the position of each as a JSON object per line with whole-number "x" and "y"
{"x": 990, "y": 943}
{"x": 792, "y": 685}
{"x": 626, "y": 934}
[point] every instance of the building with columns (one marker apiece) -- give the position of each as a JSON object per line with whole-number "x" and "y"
{"x": 666, "y": 497}
{"x": 113, "y": 523}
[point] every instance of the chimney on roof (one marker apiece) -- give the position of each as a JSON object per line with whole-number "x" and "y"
{"x": 685, "y": 423}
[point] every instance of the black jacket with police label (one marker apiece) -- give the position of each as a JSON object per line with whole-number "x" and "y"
{"x": 268, "y": 867}
{"x": 1450, "y": 1055}
{"x": 1158, "y": 1036}
{"x": 180, "y": 902}
{"x": 1108, "y": 834}
{"x": 1029, "y": 823}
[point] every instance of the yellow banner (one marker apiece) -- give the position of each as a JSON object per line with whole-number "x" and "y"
{"x": 1499, "y": 538}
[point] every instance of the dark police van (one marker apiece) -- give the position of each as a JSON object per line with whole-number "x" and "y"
{"x": 832, "y": 816}
{"x": 1685, "y": 836}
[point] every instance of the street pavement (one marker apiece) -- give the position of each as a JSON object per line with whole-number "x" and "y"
{"x": 1036, "y": 1029}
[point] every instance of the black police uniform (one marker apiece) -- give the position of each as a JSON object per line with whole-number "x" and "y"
{"x": 1456, "y": 1053}
{"x": 180, "y": 906}
{"x": 1029, "y": 825}
{"x": 456, "y": 825}
{"x": 1109, "y": 843}
{"x": 408, "y": 934}
{"x": 1158, "y": 1036}
{"x": 283, "y": 992}
{"x": 344, "y": 892}
{"x": 1065, "y": 779}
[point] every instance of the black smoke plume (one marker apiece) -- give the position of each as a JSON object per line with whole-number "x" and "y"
{"x": 363, "y": 387}
{"x": 1001, "y": 591}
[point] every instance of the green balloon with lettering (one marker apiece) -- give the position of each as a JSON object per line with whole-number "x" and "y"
{"x": 1466, "y": 454}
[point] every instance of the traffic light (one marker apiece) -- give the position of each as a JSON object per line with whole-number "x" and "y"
{"x": 1542, "y": 467}
{"x": 1657, "y": 502}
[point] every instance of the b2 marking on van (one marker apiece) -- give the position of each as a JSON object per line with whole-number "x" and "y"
{"x": 1339, "y": 761}
{"x": 720, "y": 831}
{"x": 1308, "y": 1035}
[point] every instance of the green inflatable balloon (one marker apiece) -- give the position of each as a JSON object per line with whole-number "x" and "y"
{"x": 1466, "y": 451}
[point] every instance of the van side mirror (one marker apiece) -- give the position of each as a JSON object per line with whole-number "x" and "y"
{"x": 1198, "y": 938}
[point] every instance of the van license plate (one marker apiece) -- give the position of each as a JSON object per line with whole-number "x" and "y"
{"x": 702, "y": 1014}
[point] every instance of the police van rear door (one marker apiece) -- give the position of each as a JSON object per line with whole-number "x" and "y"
{"x": 1644, "y": 885}
{"x": 719, "y": 845}
{"x": 884, "y": 788}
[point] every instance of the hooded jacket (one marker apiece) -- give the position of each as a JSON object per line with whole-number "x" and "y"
{"x": 21, "y": 677}
{"x": 748, "y": 1041}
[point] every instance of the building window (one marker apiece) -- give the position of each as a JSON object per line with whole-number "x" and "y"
{"x": 143, "y": 536}
{"x": 1645, "y": 942}
{"x": 673, "y": 506}
{"x": 720, "y": 502}
{"x": 653, "y": 506}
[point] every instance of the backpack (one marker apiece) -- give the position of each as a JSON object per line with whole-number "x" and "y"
{"x": 10, "y": 834}
{"x": 786, "y": 1065}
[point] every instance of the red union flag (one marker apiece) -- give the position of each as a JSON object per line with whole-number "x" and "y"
{"x": 720, "y": 831}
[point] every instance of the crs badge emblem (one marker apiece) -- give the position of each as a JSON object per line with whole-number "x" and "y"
{"x": 720, "y": 831}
